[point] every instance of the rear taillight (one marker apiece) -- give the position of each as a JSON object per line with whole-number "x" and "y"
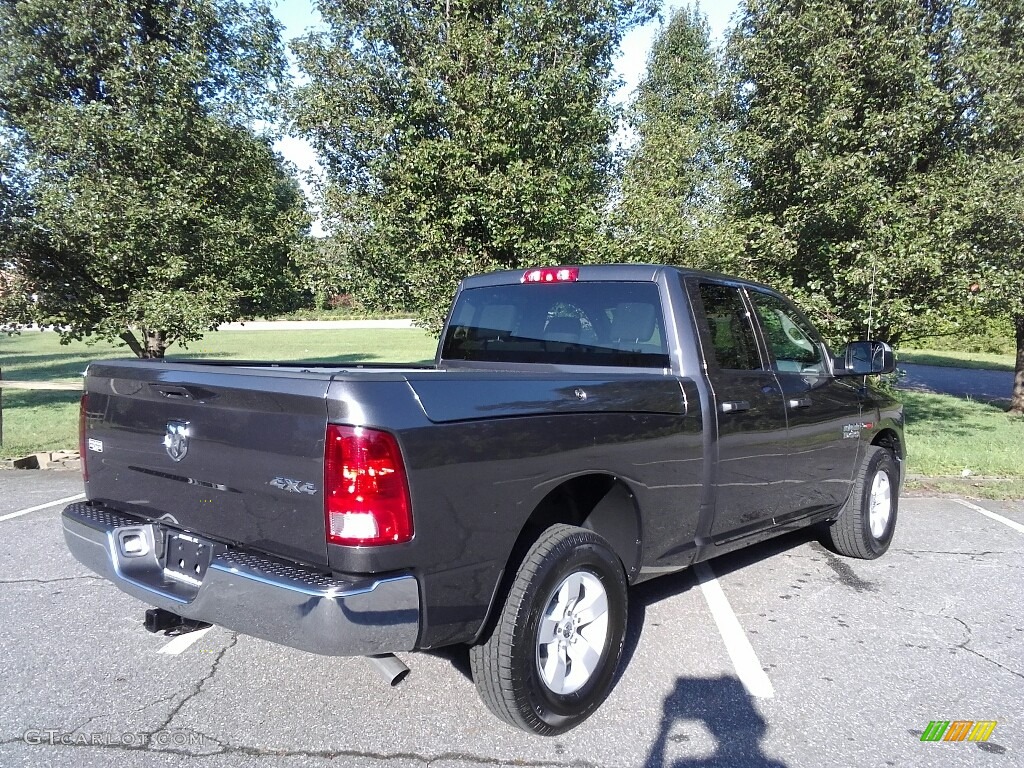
{"x": 82, "y": 423}
{"x": 367, "y": 492}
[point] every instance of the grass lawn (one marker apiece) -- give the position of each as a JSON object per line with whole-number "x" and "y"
{"x": 949, "y": 359}
{"x": 945, "y": 435}
{"x": 39, "y": 421}
{"x": 48, "y": 421}
{"x": 37, "y": 356}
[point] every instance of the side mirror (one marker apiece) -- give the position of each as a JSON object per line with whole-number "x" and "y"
{"x": 863, "y": 358}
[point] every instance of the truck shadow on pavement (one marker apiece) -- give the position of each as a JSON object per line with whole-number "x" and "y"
{"x": 723, "y": 707}
{"x": 702, "y": 706}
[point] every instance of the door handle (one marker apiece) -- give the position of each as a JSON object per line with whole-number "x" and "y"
{"x": 800, "y": 402}
{"x": 173, "y": 393}
{"x": 735, "y": 406}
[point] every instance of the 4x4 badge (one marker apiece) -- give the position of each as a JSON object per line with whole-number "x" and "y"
{"x": 293, "y": 486}
{"x": 176, "y": 439}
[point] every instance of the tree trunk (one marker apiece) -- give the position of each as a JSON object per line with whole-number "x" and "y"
{"x": 133, "y": 344}
{"x": 1017, "y": 398}
{"x": 156, "y": 343}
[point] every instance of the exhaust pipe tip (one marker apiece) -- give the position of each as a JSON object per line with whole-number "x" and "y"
{"x": 390, "y": 667}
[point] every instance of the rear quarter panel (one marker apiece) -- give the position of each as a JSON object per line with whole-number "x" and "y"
{"x": 479, "y": 464}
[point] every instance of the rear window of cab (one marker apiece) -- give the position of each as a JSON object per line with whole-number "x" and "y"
{"x": 567, "y": 323}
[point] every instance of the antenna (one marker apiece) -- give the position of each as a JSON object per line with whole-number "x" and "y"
{"x": 871, "y": 296}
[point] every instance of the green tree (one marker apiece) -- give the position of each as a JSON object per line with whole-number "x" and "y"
{"x": 14, "y": 296}
{"x": 989, "y": 61}
{"x": 882, "y": 158}
{"x": 324, "y": 269}
{"x": 460, "y": 136}
{"x": 846, "y": 126}
{"x": 153, "y": 212}
{"x": 677, "y": 181}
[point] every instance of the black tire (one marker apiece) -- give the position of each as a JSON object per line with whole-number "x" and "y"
{"x": 876, "y": 487}
{"x": 507, "y": 665}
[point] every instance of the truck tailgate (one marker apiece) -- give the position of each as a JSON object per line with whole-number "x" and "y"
{"x": 233, "y": 454}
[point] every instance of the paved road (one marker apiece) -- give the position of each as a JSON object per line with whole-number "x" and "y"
{"x": 962, "y": 382}
{"x": 860, "y": 657}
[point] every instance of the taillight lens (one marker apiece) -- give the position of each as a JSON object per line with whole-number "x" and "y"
{"x": 81, "y": 436}
{"x": 367, "y": 491}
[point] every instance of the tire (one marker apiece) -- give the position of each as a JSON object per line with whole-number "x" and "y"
{"x": 551, "y": 657}
{"x": 867, "y": 522}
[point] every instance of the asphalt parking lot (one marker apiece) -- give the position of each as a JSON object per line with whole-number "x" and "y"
{"x": 825, "y": 661}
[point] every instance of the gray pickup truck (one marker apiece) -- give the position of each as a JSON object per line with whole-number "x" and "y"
{"x": 581, "y": 430}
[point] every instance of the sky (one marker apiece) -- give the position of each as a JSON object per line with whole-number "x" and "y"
{"x": 637, "y": 44}
{"x": 298, "y": 16}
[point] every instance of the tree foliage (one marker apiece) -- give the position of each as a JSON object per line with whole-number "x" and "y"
{"x": 460, "y": 136}
{"x": 990, "y": 66}
{"x": 881, "y": 156}
{"x": 325, "y": 272}
{"x": 147, "y": 209}
{"x": 844, "y": 131}
{"x": 14, "y": 295}
{"x": 677, "y": 181}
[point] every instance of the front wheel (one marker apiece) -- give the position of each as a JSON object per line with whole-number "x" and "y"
{"x": 551, "y": 657}
{"x": 866, "y": 525}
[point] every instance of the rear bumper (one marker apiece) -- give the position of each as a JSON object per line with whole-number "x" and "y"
{"x": 252, "y": 593}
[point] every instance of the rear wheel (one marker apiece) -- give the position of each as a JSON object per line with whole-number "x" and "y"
{"x": 866, "y": 525}
{"x": 551, "y": 658}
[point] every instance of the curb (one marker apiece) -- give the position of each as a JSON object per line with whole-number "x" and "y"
{"x": 69, "y": 460}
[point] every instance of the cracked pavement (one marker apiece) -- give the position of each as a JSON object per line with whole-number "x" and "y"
{"x": 861, "y": 656}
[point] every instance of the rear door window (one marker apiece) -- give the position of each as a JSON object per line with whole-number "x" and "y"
{"x": 729, "y": 327}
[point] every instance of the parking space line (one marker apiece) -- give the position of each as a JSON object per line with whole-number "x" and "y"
{"x": 19, "y": 513}
{"x": 748, "y": 668}
{"x": 183, "y": 642}
{"x": 999, "y": 518}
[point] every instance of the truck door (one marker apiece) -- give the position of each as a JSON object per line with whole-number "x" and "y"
{"x": 751, "y": 477}
{"x": 823, "y": 412}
